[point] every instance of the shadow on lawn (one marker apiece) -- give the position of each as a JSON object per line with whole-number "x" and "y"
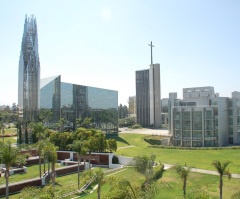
{"x": 119, "y": 139}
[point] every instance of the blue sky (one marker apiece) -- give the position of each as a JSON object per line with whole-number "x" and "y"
{"x": 102, "y": 43}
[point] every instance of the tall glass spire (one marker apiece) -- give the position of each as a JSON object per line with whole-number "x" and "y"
{"x": 29, "y": 72}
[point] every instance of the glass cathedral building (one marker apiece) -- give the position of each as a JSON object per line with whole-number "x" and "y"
{"x": 29, "y": 72}
{"x": 73, "y": 102}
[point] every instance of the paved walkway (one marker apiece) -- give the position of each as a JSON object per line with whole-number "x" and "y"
{"x": 168, "y": 166}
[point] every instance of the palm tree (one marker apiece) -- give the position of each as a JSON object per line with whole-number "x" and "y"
{"x": 184, "y": 173}
{"x": 80, "y": 148}
{"x": 2, "y": 128}
{"x": 38, "y": 131}
{"x": 99, "y": 179}
{"x": 222, "y": 170}
{"x": 50, "y": 151}
{"x": 40, "y": 146}
{"x": 122, "y": 188}
{"x": 8, "y": 156}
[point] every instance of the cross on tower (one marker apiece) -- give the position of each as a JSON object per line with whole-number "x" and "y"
{"x": 151, "y": 52}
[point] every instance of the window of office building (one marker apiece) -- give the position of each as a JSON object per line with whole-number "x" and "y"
{"x": 197, "y": 143}
{"x": 197, "y": 116}
{"x": 197, "y": 125}
{"x": 208, "y": 115}
{"x": 186, "y": 143}
{"x": 230, "y": 121}
{"x": 186, "y": 125}
{"x": 177, "y": 133}
{"x": 230, "y": 131}
{"x": 209, "y": 134}
{"x": 209, "y": 143}
{"x": 186, "y": 116}
{"x": 197, "y": 134}
{"x": 208, "y": 125}
{"x": 177, "y": 124}
{"x": 177, "y": 143}
{"x": 177, "y": 116}
{"x": 186, "y": 134}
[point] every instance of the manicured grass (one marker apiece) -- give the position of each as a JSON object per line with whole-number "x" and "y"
{"x": 13, "y": 139}
{"x": 32, "y": 172}
{"x": 174, "y": 189}
{"x": 121, "y": 142}
{"x": 193, "y": 158}
{"x": 11, "y": 131}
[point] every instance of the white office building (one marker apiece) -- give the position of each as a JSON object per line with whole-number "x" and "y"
{"x": 203, "y": 119}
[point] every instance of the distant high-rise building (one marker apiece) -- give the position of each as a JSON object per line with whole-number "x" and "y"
{"x": 148, "y": 96}
{"x": 132, "y": 105}
{"x": 29, "y": 72}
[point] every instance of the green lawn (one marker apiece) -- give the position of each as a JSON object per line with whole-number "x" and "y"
{"x": 32, "y": 172}
{"x": 174, "y": 190}
{"x": 11, "y": 139}
{"x": 11, "y": 131}
{"x": 193, "y": 158}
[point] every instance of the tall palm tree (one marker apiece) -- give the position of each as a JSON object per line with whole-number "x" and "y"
{"x": 99, "y": 179}
{"x": 40, "y": 146}
{"x": 183, "y": 172}
{"x": 8, "y": 156}
{"x": 50, "y": 151}
{"x": 80, "y": 148}
{"x": 2, "y": 128}
{"x": 222, "y": 170}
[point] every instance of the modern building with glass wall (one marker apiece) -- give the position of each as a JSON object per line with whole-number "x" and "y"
{"x": 29, "y": 72}
{"x": 74, "y": 103}
{"x": 203, "y": 119}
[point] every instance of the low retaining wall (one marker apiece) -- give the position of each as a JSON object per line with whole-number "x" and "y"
{"x": 124, "y": 160}
{"x": 18, "y": 186}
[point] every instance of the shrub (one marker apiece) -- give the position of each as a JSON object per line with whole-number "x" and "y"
{"x": 136, "y": 126}
{"x": 115, "y": 160}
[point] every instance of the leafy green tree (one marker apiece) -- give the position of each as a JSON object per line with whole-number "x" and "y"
{"x": 222, "y": 170}
{"x": 8, "y": 156}
{"x": 101, "y": 143}
{"x": 183, "y": 172}
{"x": 112, "y": 144}
{"x": 198, "y": 192}
{"x": 86, "y": 122}
{"x": 47, "y": 192}
{"x": 144, "y": 165}
{"x": 79, "y": 147}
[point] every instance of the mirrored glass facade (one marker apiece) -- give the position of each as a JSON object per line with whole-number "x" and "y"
{"x": 76, "y": 102}
{"x": 29, "y": 72}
